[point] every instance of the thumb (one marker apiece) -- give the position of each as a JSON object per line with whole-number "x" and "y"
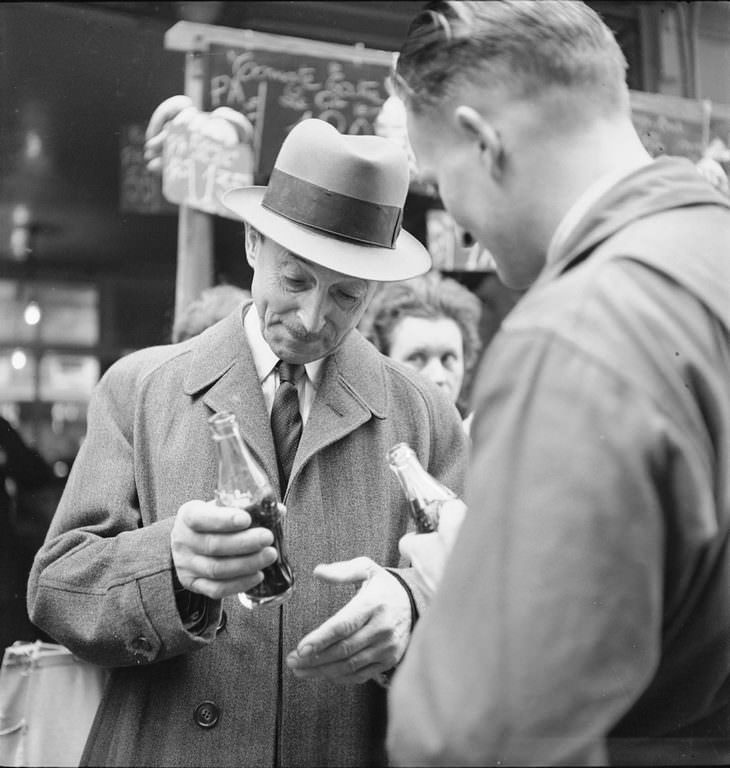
{"x": 346, "y": 571}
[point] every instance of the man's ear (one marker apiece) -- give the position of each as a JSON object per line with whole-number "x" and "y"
{"x": 481, "y": 130}
{"x": 253, "y": 242}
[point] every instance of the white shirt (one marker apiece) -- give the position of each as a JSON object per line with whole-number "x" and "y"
{"x": 580, "y": 207}
{"x": 265, "y": 362}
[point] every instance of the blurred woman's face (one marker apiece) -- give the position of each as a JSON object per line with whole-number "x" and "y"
{"x": 434, "y": 347}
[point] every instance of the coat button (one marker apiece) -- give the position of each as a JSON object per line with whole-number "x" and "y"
{"x": 142, "y": 644}
{"x": 207, "y": 714}
{"x": 222, "y": 623}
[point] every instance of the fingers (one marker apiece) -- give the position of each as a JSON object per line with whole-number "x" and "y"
{"x": 227, "y": 568}
{"x": 345, "y": 623}
{"x": 208, "y": 529}
{"x": 227, "y": 545}
{"x": 219, "y": 577}
{"x": 216, "y": 551}
{"x": 359, "y": 656}
{"x": 365, "y": 637}
{"x": 348, "y": 619}
{"x": 217, "y": 590}
{"x": 209, "y": 517}
{"x": 362, "y": 656}
{"x": 346, "y": 571}
{"x": 358, "y": 667}
{"x": 371, "y": 637}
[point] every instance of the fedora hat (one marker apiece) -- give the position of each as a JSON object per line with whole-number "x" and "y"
{"x": 337, "y": 201}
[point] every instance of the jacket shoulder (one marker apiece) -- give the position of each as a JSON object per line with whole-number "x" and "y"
{"x": 135, "y": 367}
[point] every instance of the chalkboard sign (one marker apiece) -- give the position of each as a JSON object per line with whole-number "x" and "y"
{"x": 275, "y": 89}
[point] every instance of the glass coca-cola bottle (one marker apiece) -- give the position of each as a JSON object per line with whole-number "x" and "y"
{"x": 243, "y": 483}
{"x": 424, "y": 492}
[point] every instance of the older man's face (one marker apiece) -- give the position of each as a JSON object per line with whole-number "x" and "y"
{"x": 306, "y": 310}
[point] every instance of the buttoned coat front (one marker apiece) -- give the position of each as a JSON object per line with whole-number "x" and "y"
{"x": 102, "y": 586}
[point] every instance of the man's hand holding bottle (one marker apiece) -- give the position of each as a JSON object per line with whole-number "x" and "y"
{"x": 428, "y": 552}
{"x": 436, "y": 512}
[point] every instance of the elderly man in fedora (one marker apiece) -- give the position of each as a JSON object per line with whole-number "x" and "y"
{"x": 140, "y": 569}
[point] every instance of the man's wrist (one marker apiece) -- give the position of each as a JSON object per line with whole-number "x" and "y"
{"x": 411, "y": 599}
{"x": 384, "y": 678}
{"x": 192, "y": 607}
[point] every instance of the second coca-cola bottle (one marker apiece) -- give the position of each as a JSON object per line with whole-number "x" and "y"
{"x": 424, "y": 492}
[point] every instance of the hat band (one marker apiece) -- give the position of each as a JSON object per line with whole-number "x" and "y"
{"x": 313, "y": 206}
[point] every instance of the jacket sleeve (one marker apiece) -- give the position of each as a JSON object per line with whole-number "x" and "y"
{"x": 101, "y": 584}
{"x": 546, "y": 625}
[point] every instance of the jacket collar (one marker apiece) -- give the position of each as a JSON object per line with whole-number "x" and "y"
{"x": 666, "y": 183}
{"x": 215, "y": 352}
{"x": 351, "y": 391}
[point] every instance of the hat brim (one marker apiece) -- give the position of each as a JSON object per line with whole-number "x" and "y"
{"x": 407, "y": 259}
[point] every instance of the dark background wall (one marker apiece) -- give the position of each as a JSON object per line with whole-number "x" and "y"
{"x": 72, "y": 74}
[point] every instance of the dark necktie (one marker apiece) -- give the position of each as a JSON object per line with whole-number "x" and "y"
{"x": 286, "y": 421}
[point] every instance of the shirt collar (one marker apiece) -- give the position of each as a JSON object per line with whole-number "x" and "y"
{"x": 580, "y": 207}
{"x": 264, "y": 358}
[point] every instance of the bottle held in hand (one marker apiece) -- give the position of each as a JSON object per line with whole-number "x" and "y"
{"x": 425, "y": 494}
{"x": 243, "y": 483}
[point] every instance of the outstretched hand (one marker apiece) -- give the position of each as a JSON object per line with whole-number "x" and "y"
{"x": 366, "y": 637}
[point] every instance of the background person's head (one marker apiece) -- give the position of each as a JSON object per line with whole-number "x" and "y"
{"x": 212, "y": 305}
{"x": 430, "y": 323}
{"x": 513, "y": 109}
{"x": 322, "y": 235}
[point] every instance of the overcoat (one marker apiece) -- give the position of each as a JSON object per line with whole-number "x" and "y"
{"x": 102, "y": 584}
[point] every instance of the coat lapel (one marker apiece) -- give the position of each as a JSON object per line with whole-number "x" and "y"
{"x": 351, "y": 392}
{"x": 223, "y": 373}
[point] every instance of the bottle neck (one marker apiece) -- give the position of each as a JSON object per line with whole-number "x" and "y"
{"x": 239, "y": 473}
{"x": 223, "y": 426}
{"x": 418, "y": 485}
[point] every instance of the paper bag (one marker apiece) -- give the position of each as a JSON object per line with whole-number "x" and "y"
{"x": 48, "y": 700}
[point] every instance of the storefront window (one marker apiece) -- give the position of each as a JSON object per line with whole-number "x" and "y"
{"x": 17, "y": 375}
{"x": 70, "y": 315}
{"x": 49, "y": 334}
{"x": 67, "y": 377}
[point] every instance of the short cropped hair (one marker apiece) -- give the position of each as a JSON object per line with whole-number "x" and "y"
{"x": 430, "y": 296}
{"x": 523, "y": 46}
